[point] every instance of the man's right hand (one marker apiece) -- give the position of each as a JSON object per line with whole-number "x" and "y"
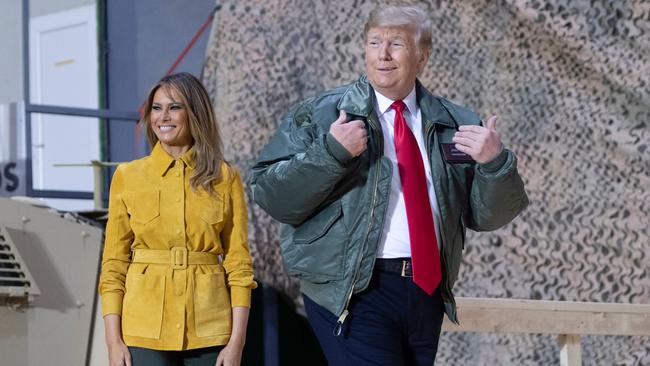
{"x": 352, "y": 135}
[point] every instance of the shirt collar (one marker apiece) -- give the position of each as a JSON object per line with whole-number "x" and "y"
{"x": 384, "y": 103}
{"x": 163, "y": 161}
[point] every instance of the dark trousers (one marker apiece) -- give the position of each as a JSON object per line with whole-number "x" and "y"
{"x": 193, "y": 357}
{"x": 391, "y": 323}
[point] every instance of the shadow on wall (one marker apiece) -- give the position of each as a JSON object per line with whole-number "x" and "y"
{"x": 54, "y": 293}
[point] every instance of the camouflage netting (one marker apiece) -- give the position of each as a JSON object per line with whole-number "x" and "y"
{"x": 570, "y": 81}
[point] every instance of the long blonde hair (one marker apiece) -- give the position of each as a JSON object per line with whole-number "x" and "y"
{"x": 207, "y": 147}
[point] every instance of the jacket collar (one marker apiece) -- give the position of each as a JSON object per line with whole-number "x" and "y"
{"x": 358, "y": 99}
{"x": 384, "y": 103}
{"x": 162, "y": 161}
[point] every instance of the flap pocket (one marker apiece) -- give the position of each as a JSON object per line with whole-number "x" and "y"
{"x": 315, "y": 251}
{"x": 211, "y": 209}
{"x": 143, "y": 206}
{"x": 315, "y": 227}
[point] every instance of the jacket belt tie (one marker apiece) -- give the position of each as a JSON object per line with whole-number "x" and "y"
{"x": 178, "y": 258}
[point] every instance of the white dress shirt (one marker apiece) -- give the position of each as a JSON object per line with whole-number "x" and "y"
{"x": 395, "y": 241}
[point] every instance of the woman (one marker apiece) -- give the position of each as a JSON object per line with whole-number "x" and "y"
{"x": 176, "y": 273}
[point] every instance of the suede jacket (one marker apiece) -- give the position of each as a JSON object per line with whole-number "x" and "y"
{"x": 176, "y": 259}
{"x": 332, "y": 206}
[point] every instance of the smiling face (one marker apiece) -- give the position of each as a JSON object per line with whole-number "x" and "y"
{"x": 168, "y": 119}
{"x": 393, "y": 60}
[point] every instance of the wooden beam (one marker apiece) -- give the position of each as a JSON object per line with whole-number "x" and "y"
{"x": 570, "y": 350}
{"x": 550, "y": 317}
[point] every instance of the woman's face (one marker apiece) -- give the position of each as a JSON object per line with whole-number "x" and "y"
{"x": 169, "y": 121}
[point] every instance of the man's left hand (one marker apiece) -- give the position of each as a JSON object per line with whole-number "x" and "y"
{"x": 481, "y": 143}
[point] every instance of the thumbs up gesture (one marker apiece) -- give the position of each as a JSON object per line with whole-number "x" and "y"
{"x": 352, "y": 135}
{"x": 481, "y": 143}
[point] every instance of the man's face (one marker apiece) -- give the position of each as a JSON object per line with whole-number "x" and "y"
{"x": 393, "y": 60}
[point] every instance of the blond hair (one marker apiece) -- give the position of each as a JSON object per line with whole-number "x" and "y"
{"x": 207, "y": 150}
{"x": 403, "y": 14}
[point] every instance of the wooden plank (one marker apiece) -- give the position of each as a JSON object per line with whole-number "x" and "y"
{"x": 550, "y": 317}
{"x": 570, "y": 354}
{"x": 474, "y": 302}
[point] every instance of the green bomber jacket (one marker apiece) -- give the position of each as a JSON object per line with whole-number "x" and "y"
{"x": 332, "y": 206}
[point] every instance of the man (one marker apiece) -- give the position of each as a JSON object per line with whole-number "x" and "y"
{"x": 375, "y": 183}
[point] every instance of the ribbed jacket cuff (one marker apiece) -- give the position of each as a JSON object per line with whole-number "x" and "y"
{"x": 338, "y": 151}
{"x": 495, "y": 164}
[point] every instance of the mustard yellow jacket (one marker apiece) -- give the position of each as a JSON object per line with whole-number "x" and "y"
{"x": 175, "y": 260}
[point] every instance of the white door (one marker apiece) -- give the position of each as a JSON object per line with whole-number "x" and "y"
{"x": 64, "y": 72}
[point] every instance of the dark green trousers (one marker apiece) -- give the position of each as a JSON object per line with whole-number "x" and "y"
{"x": 193, "y": 357}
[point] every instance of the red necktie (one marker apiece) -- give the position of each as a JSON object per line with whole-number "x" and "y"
{"x": 422, "y": 233}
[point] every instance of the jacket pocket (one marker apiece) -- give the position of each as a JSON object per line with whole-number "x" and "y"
{"x": 143, "y": 305}
{"x": 143, "y": 206}
{"x": 211, "y": 210}
{"x": 212, "y": 313}
{"x": 318, "y": 248}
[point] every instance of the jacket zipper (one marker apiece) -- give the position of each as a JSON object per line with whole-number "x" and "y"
{"x": 429, "y": 151}
{"x": 443, "y": 237}
{"x": 453, "y": 316}
{"x": 339, "y": 323}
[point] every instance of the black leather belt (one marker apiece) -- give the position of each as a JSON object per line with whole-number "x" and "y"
{"x": 400, "y": 266}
